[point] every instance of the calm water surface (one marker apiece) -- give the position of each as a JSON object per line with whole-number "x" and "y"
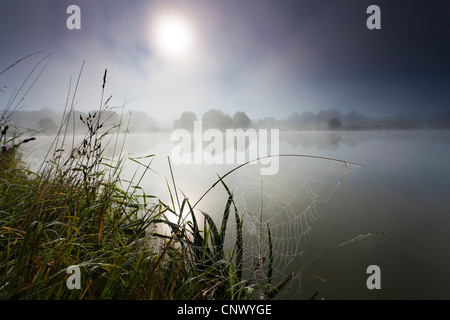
{"x": 403, "y": 190}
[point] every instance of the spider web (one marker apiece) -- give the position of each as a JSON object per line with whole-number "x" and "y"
{"x": 288, "y": 205}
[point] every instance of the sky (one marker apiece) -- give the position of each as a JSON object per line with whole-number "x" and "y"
{"x": 268, "y": 58}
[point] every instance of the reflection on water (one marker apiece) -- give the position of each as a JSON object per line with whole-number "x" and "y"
{"x": 335, "y": 139}
{"x": 403, "y": 190}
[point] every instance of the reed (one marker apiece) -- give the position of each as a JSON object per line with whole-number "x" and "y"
{"x": 75, "y": 209}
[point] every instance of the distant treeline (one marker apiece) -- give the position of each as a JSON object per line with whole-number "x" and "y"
{"x": 330, "y": 119}
{"x": 307, "y": 120}
{"x": 49, "y": 121}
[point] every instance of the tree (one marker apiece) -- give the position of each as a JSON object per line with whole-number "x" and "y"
{"x": 108, "y": 118}
{"x": 216, "y": 119}
{"x": 268, "y": 123}
{"x": 47, "y": 124}
{"x": 334, "y": 124}
{"x": 307, "y": 117}
{"x": 139, "y": 121}
{"x": 241, "y": 120}
{"x": 293, "y": 121}
{"x": 355, "y": 116}
{"x": 327, "y": 115}
{"x": 186, "y": 121}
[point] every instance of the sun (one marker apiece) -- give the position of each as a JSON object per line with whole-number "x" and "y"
{"x": 174, "y": 36}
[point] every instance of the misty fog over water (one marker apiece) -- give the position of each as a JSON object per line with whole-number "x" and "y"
{"x": 402, "y": 190}
{"x": 355, "y": 93}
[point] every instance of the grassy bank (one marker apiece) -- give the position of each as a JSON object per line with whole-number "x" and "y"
{"x": 75, "y": 210}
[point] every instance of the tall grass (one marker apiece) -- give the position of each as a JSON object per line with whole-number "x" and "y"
{"x": 75, "y": 209}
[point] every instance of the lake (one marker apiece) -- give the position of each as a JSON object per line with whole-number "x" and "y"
{"x": 403, "y": 190}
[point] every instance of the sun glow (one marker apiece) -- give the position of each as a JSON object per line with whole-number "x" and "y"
{"x": 173, "y": 36}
